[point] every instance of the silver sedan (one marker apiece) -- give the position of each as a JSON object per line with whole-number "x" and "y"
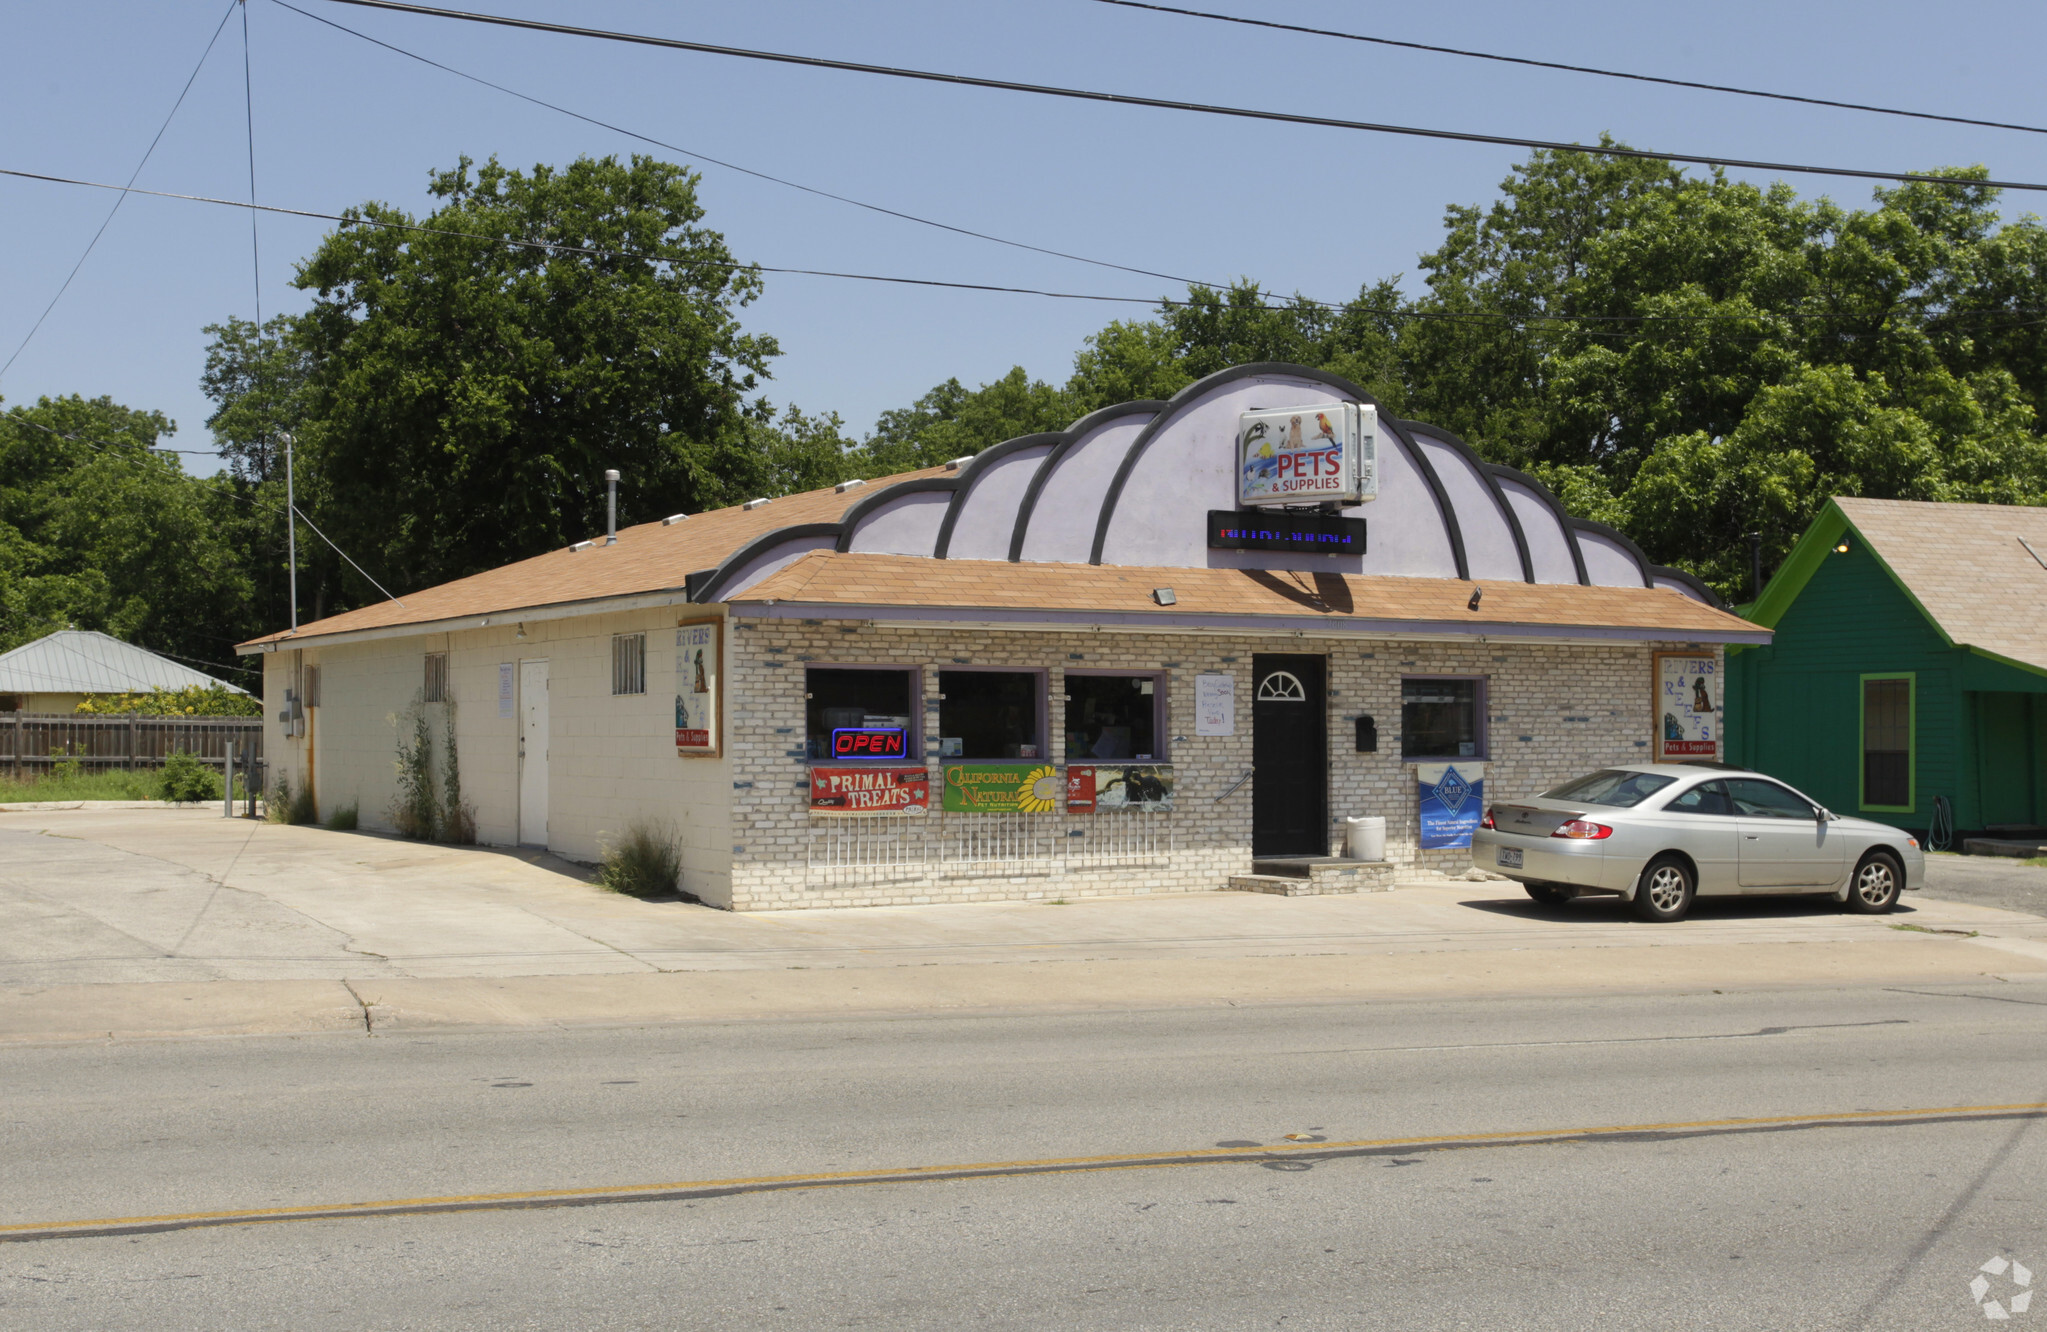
{"x": 1660, "y": 835}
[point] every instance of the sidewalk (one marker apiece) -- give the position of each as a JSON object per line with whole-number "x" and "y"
{"x": 175, "y": 922}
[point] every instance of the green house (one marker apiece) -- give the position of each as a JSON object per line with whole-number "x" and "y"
{"x": 1909, "y": 663}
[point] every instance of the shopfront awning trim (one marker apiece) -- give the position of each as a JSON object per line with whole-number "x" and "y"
{"x": 1288, "y": 626}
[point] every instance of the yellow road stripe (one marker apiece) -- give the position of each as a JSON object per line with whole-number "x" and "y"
{"x": 903, "y": 1174}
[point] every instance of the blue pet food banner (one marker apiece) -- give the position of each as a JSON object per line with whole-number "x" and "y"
{"x": 1452, "y": 801}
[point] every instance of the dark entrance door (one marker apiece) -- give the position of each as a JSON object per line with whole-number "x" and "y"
{"x": 1289, "y": 749}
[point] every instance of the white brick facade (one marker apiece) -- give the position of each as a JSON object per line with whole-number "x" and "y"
{"x": 1554, "y": 711}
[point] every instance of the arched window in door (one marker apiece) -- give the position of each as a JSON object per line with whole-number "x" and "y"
{"x": 1283, "y": 687}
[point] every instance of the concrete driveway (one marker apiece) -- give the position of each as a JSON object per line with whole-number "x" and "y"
{"x": 159, "y": 902}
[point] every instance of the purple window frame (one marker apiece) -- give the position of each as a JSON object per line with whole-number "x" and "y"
{"x": 1162, "y": 745}
{"x": 915, "y": 741}
{"x": 938, "y": 674}
{"x": 1480, "y": 700}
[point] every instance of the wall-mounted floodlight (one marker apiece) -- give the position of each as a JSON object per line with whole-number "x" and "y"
{"x": 1841, "y": 546}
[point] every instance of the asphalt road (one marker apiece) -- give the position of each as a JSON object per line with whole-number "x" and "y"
{"x": 1469, "y": 1164}
{"x": 1993, "y": 881}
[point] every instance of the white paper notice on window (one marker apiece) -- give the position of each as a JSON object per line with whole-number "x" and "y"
{"x": 1215, "y": 705}
{"x": 504, "y": 689}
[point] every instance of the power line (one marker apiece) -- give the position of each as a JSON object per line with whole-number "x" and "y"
{"x": 558, "y": 247}
{"x": 1167, "y": 104}
{"x": 602, "y": 252}
{"x": 734, "y": 166}
{"x": 118, "y": 451}
{"x": 249, "y": 110}
{"x": 108, "y": 220}
{"x": 1572, "y": 69}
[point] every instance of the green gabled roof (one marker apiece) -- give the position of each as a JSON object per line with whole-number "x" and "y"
{"x": 1977, "y": 573}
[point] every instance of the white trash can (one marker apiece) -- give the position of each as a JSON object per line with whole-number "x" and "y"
{"x": 1365, "y": 839}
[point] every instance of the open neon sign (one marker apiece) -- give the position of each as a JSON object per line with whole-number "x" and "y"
{"x": 877, "y": 742}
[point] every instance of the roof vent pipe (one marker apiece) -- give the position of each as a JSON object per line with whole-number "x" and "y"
{"x": 611, "y": 507}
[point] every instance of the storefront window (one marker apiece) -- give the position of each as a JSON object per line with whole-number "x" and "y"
{"x": 1112, "y": 717}
{"x": 989, "y": 715}
{"x": 1442, "y": 717}
{"x": 859, "y": 714}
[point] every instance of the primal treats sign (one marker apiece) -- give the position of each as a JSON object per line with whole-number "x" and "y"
{"x": 997, "y": 788}
{"x": 1688, "y": 707}
{"x": 1323, "y": 453}
{"x": 869, "y": 790}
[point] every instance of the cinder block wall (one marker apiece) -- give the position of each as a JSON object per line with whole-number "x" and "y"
{"x": 611, "y": 759}
{"x": 1554, "y": 711}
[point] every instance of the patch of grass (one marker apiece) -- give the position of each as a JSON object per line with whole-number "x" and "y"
{"x": 284, "y": 805}
{"x": 646, "y": 861}
{"x": 73, "y": 784}
{"x": 2040, "y": 861}
{"x": 343, "y": 818}
{"x": 1927, "y": 929}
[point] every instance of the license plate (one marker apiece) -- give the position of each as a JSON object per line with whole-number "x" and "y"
{"x": 1510, "y": 856}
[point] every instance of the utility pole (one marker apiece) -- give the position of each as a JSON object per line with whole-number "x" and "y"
{"x": 291, "y": 528}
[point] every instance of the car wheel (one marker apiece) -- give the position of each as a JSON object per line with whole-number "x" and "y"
{"x": 1665, "y": 890}
{"x": 1550, "y": 894}
{"x": 1877, "y": 882}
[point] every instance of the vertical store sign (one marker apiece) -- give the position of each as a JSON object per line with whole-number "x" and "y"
{"x": 1215, "y": 705}
{"x": 1452, "y": 797}
{"x": 699, "y": 662}
{"x": 1688, "y": 706}
{"x": 1325, "y": 452}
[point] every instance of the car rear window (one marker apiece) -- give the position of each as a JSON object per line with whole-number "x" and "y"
{"x": 1611, "y": 787}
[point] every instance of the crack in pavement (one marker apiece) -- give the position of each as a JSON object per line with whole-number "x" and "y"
{"x": 368, "y": 1027}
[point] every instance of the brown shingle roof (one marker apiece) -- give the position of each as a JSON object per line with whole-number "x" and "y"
{"x": 1967, "y": 568}
{"x": 647, "y": 558}
{"x": 827, "y": 579}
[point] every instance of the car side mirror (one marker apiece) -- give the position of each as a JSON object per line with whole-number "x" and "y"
{"x": 1821, "y": 814}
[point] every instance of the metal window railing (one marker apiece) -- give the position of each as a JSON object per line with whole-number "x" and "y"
{"x": 629, "y": 664}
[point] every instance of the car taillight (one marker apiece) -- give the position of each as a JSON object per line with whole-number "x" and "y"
{"x": 1581, "y": 830}
{"x": 1487, "y": 821}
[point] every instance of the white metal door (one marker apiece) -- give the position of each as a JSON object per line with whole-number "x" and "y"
{"x": 533, "y": 753}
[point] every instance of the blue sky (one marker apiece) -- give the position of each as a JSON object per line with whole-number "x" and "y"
{"x": 1320, "y": 211}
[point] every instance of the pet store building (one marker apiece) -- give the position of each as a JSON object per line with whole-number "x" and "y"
{"x": 1176, "y": 643}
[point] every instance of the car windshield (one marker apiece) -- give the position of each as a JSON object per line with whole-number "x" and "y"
{"x": 1611, "y": 787}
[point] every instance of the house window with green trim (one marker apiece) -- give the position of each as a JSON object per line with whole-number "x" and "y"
{"x": 1887, "y": 742}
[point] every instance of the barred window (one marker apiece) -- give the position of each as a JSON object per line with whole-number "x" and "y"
{"x": 436, "y": 687}
{"x": 629, "y": 664}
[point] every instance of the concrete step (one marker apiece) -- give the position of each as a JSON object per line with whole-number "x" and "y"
{"x": 1317, "y": 877}
{"x": 2000, "y": 846}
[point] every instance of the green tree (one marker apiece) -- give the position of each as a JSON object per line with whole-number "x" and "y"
{"x": 469, "y": 391}
{"x": 97, "y": 531}
{"x": 953, "y": 421}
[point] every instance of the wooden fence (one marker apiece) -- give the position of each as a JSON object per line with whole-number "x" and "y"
{"x": 31, "y": 744}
